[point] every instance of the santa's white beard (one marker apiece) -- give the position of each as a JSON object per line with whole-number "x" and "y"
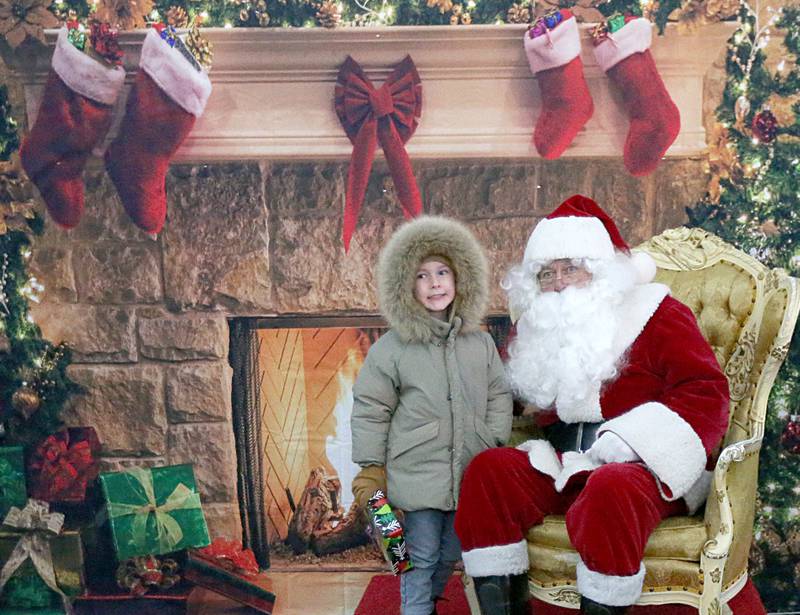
{"x": 564, "y": 348}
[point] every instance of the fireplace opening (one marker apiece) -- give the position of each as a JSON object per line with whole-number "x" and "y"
{"x": 292, "y": 400}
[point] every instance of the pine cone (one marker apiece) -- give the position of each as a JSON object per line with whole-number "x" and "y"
{"x": 793, "y": 541}
{"x": 774, "y": 542}
{"x": 177, "y": 17}
{"x": 518, "y": 13}
{"x": 444, "y": 5}
{"x": 328, "y": 14}
{"x": 756, "y": 561}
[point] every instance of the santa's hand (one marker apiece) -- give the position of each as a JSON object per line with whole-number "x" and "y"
{"x": 610, "y": 448}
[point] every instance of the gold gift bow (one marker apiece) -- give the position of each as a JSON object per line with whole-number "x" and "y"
{"x": 37, "y": 522}
{"x": 169, "y": 531}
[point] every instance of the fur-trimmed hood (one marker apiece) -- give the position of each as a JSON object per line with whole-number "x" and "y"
{"x": 397, "y": 269}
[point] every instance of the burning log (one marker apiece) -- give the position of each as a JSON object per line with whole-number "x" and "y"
{"x": 318, "y": 521}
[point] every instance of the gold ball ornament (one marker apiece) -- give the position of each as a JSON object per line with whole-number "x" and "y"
{"x": 25, "y": 401}
{"x": 741, "y": 108}
{"x": 756, "y": 561}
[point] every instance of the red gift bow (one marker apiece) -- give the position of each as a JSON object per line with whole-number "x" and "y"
{"x": 387, "y": 115}
{"x": 64, "y": 464}
{"x": 230, "y": 554}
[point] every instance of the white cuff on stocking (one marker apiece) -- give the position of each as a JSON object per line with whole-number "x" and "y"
{"x": 609, "y": 589}
{"x": 174, "y": 74}
{"x": 84, "y": 75}
{"x": 555, "y": 48}
{"x": 634, "y": 37}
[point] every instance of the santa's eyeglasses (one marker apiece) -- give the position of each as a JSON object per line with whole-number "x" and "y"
{"x": 569, "y": 273}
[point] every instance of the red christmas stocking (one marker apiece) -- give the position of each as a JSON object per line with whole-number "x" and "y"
{"x": 167, "y": 96}
{"x": 75, "y": 114}
{"x": 654, "y": 119}
{"x": 555, "y": 59}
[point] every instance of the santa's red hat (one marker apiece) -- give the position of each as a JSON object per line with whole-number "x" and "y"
{"x": 579, "y": 228}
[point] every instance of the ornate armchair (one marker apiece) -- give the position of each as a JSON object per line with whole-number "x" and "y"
{"x": 747, "y": 313}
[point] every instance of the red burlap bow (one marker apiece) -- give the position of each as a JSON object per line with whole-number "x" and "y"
{"x": 387, "y": 115}
{"x": 230, "y": 555}
{"x": 64, "y": 464}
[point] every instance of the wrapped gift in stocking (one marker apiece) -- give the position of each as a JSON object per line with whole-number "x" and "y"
{"x": 74, "y": 116}
{"x": 169, "y": 94}
{"x": 654, "y": 119}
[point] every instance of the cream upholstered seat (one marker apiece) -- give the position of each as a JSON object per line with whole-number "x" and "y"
{"x": 747, "y": 312}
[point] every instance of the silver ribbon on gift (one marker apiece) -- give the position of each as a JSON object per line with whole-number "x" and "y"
{"x": 38, "y": 525}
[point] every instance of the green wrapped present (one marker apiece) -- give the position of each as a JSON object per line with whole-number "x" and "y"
{"x": 153, "y": 511}
{"x": 12, "y": 479}
{"x": 41, "y": 567}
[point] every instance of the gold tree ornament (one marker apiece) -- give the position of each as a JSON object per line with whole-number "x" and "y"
{"x": 696, "y": 13}
{"x": 177, "y": 17}
{"x": 124, "y": 14}
{"x": 781, "y": 107}
{"x": 26, "y": 401}
{"x": 20, "y": 19}
{"x": 444, "y": 6}
{"x": 17, "y": 202}
{"x": 328, "y": 14}
{"x": 519, "y": 13}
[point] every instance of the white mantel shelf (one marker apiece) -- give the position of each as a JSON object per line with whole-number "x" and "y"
{"x": 273, "y": 90}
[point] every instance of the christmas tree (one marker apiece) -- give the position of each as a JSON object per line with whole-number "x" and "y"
{"x": 33, "y": 381}
{"x": 753, "y": 202}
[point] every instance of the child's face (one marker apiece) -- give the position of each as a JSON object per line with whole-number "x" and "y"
{"x": 435, "y": 287}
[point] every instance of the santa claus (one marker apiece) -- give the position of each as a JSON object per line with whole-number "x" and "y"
{"x": 631, "y": 398}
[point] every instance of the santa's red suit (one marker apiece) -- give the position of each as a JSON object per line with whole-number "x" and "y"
{"x": 669, "y": 403}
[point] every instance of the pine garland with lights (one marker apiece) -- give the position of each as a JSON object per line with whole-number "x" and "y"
{"x": 33, "y": 383}
{"x": 753, "y": 202}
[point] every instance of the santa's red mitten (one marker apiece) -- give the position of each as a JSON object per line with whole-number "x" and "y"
{"x": 74, "y": 115}
{"x": 168, "y": 95}
{"x": 554, "y": 57}
{"x": 654, "y": 119}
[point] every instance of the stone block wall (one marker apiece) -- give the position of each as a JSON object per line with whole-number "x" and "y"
{"x": 148, "y": 319}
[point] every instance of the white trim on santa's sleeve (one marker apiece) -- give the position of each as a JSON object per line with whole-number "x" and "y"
{"x": 634, "y": 37}
{"x": 83, "y": 74}
{"x": 668, "y": 445}
{"x": 608, "y": 589}
{"x": 174, "y": 74}
{"x": 497, "y": 560}
{"x": 554, "y": 48}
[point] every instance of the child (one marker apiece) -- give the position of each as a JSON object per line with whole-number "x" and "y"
{"x": 430, "y": 396}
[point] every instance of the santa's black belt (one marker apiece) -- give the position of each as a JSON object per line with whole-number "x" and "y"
{"x": 577, "y": 437}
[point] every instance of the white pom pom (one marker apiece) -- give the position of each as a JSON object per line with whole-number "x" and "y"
{"x": 645, "y": 267}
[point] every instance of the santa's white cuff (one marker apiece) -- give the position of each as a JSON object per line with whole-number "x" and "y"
{"x": 497, "y": 560}
{"x": 668, "y": 445}
{"x": 634, "y": 37}
{"x": 555, "y": 47}
{"x": 542, "y": 456}
{"x": 573, "y": 463}
{"x": 174, "y": 74}
{"x": 83, "y": 74}
{"x": 609, "y": 589}
{"x": 697, "y": 494}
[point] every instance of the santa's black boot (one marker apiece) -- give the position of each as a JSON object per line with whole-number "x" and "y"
{"x": 590, "y": 607}
{"x": 502, "y": 595}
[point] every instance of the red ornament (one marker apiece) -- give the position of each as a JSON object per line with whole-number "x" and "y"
{"x": 765, "y": 126}
{"x": 105, "y": 41}
{"x": 790, "y": 438}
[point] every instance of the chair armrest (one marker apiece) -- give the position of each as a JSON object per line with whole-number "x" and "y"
{"x": 731, "y": 507}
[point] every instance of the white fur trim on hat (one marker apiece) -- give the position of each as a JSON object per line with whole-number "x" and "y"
{"x": 609, "y": 589}
{"x": 174, "y": 74}
{"x": 569, "y": 237}
{"x": 645, "y": 267}
{"x": 668, "y": 445}
{"x": 497, "y": 560}
{"x": 555, "y": 48}
{"x": 634, "y": 37}
{"x": 84, "y": 75}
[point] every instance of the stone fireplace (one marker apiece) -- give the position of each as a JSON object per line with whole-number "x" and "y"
{"x": 256, "y": 232}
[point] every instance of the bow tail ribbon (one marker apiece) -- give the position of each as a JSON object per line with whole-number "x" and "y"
{"x": 400, "y": 167}
{"x": 364, "y": 145}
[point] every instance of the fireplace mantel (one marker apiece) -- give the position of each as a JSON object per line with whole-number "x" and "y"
{"x": 273, "y": 90}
